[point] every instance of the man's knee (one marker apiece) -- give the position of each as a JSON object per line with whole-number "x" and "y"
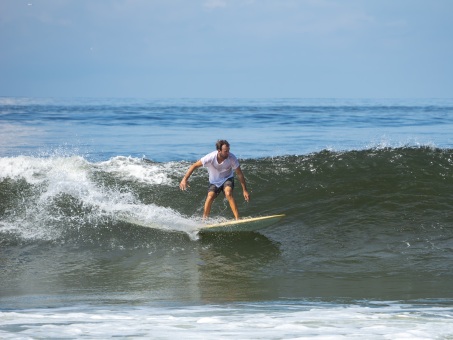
{"x": 211, "y": 196}
{"x": 228, "y": 191}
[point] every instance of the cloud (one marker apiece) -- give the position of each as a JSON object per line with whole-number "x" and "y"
{"x": 214, "y": 4}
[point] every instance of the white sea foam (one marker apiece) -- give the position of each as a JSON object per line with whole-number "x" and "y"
{"x": 263, "y": 321}
{"x": 137, "y": 169}
{"x": 52, "y": 177}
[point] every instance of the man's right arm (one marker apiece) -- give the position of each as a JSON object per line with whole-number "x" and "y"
{"x": 184, "y": 182}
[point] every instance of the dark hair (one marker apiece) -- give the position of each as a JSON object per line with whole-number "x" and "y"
{"x": 220, "y": 143}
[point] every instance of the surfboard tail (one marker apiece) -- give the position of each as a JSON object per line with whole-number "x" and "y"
{"x": 245, "y": 224}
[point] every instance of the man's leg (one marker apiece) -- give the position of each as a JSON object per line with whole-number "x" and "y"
{"x": 229, "y": 195}
{"x": 207, "y": 205}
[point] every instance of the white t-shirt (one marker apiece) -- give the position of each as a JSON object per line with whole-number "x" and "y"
{"x": 219, "y": 173}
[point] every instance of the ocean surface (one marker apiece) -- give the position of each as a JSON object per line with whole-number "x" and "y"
{"x": 365, "y": 250}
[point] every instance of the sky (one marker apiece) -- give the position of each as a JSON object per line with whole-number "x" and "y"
{"x": 226, "y": 48}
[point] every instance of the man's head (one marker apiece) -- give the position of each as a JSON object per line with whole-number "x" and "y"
{"x": 223, "y": 148}
{"x": 220, "y": 143}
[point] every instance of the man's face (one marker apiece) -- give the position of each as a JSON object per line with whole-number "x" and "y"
{"x": 224, "y": 152}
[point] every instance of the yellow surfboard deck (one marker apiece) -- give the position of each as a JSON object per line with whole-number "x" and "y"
{"x": 244, "y": 224}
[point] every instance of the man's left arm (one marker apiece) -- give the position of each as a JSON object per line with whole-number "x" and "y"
{"x": 244, "y": 185}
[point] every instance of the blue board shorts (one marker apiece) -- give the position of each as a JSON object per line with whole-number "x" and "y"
{"x": 228, "y": 183}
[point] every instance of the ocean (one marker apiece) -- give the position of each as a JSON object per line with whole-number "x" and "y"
{"x": 365, "y": 249}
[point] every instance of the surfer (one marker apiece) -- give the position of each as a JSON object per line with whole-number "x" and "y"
{"x": 221, "y": 165}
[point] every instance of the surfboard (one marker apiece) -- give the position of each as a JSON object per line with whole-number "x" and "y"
{"x": 244, "y": 224}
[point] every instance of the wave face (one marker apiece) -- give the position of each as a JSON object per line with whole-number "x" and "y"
{"x": 375, "y": 213}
